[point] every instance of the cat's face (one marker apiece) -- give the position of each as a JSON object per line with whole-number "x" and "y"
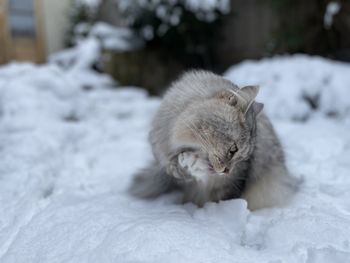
{"x": 222, "y": 129}
{"x": 225, "y": 135}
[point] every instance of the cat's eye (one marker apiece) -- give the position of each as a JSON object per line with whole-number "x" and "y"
{"x": 232, "y": 151}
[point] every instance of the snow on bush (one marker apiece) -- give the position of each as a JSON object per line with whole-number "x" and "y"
{"x": 297, "y": 87}
{"x": 170, "y": 11}
{"x": 154, "y": 18}
{"x": 68, "y": 154}
{"x": 87, "y": 52}
{"x": 82, "y": 16}
{"x": 82, "y": 56}
{"x": 332, "y": 9}
{"x": 93, "y": 4}
{"x": 179, "y": 30}
{"x": 115, "y": 38}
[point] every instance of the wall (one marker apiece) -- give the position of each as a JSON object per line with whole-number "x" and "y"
{"x": 55, "y": 23}
{"x": 3, "y": 32}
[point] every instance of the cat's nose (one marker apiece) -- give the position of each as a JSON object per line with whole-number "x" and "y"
{"x": 226, "y": 170}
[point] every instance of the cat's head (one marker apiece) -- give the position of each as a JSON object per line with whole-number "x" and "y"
{"x": 223, "y": 127}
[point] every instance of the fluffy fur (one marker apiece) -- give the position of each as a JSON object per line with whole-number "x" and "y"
{"x": 212, "y": 141}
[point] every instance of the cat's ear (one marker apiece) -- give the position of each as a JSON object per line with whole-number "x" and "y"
{"x": 257, "y": 107}
{"x": 249, "y": 92}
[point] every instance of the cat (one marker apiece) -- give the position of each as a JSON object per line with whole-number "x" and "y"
{"x": 213, "y": 142}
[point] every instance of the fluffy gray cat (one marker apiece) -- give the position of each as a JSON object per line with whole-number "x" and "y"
{"x": 212, "y": 141}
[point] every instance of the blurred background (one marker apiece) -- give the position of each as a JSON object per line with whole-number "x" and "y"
{"x": 147, "y": 43}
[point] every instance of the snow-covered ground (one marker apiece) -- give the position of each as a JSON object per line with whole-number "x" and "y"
{"x": 70, "y": 143}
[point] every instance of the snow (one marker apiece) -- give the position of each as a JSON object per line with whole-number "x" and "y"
{"x": 115, "y": 38}
{"x": 87, "y": 53}
{"x": 82, "y": 56}
{"x": 288, "y": 83}
{"x": 70, "y": 143}
{"x": 208, "y": 5}
{"x": 101, "y": 36}
{"x": 332, "y": 9}
{"x": 93, "y": 4}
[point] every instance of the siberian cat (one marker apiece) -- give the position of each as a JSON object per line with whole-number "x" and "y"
{"x": 212, "y": 141}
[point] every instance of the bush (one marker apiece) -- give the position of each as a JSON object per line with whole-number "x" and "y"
{"x": 82, "y": 17}
{"x": 182, "y": 29}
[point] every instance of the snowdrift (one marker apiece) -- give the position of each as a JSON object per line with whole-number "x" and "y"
{"x": 70, "y": 143}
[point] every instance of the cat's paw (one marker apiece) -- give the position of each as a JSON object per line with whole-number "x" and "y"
{"x": 177, "y": 171}
{"x": 187, "y": 159}
{"x": 193, "y": 164}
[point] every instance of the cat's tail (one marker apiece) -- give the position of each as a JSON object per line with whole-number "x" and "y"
{"x": 274, "y": 189}
{"x": 151, "y": 182}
